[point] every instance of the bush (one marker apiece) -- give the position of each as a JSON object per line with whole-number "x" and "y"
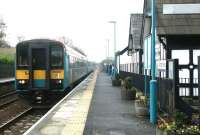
{"x": 7, "y": 59}
{"x": 180, "y": 125}
{"x": 128, "y": 83}
{"x": 117, "y": 76}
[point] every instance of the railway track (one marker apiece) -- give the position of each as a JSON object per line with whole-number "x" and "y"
{"x": 6, "y": 103}
{"x": 22, "y": 122}
{"x": 16, "y": 116}
{"x": 10, "y": 93}
{"x": 8, "y": 98}
{"x": 11, "y": 109}
{"x": 11, "y": 121}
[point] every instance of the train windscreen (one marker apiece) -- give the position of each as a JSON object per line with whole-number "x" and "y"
{"x": 22, "y": 55}
{"x": 56, "y": 56}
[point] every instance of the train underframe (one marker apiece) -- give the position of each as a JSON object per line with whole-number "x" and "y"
{"x": 41, "y": 98}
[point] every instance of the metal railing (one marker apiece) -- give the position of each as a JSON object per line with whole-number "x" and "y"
{"x": 164, "y": 92}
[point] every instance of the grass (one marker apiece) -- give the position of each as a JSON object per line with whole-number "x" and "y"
{"x": 7, "y": 55}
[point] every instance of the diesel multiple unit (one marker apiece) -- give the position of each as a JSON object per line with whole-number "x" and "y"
{"x": 47, "y": 69}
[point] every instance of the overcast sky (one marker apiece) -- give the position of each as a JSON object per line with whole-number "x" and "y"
{"x": 84, "y": 21}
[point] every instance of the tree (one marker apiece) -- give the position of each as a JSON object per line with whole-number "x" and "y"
{"x": 3, "y": 26}
{"x": 66, "y": 41}
{"x": 69, "y": 42}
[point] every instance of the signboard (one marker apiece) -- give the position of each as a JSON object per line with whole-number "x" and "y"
{"x": 181, "y": 8}
{"x": 171, "y": 69}
{"x": 161, "y": 65}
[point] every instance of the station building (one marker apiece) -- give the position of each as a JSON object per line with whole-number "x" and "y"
{"x": 177, "y": 51}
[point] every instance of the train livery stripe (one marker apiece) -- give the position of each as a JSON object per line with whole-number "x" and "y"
{"x": 22, "y": 74}
{"x": 57, "y": 74}
{"x": 39, "y": 74}
{"x": 39, "y": 83}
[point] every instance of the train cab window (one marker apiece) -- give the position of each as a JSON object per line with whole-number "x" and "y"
{"x": 22, "y": 56}
{"x": 56, "y": 56}
{"x": 38, "y": 58}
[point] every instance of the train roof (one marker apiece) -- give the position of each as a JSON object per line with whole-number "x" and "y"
{"x": 71, "y": 50}
{"x": 41, "y": 40}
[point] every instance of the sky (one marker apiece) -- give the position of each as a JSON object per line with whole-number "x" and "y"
{"x": 83, "y": 21}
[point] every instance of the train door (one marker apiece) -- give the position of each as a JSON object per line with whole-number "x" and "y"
{"x": 39, "y": 68}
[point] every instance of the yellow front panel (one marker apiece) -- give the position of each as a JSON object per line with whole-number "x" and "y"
{"x": 22, "y": 74}
{"x": 39, "y": 74}
{"x": 57, "y": 74}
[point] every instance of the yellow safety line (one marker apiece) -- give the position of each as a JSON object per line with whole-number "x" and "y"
{"x": 75, "y": 125}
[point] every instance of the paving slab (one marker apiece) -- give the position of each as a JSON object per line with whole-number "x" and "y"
{"x": 110, "y": 115}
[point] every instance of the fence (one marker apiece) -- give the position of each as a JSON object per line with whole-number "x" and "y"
{"x": 6, "y": 70}
{"x": 165, "y": 91}
{"x": 166, "y": 95}
{"x": 130, "y": 67}
{"x": 138, "y": 80}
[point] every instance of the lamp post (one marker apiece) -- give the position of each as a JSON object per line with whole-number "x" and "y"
{"x": 107, "y": 46}
{"x": 114, "y": 41}
{"x": 153, "y": 82}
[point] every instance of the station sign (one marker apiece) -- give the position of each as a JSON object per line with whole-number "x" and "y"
{"x": 161, "y": 64}
{"x": 181, "y": 8}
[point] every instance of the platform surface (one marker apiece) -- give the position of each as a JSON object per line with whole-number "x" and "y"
{"x": 68, "y": 116}
{"x": 5, "y": 80}
{"x": 110, "y": 115}
{"x": 95, "y": 107}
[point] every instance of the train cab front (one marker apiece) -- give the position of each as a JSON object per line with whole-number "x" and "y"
{"x": 39, "y": 71}
{"x": 22, "y": 73}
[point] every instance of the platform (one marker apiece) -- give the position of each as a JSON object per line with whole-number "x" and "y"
{"x": 110, "y": 115}
{"x": 68, "y": 116}
{"x": 6, "y": 80}
{"x": 93, "y": 108}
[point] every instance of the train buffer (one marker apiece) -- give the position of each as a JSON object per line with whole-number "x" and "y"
{"x": 94, "y": 107}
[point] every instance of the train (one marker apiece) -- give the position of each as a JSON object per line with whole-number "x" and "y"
{"x": 46, "y": 69}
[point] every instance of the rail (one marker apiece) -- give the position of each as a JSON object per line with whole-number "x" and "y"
{"x": 2, "y": 127}
{"x": 7, "y": 94}
{"x": 9, "y": 100}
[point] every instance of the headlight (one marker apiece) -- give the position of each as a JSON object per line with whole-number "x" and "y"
{"x": 58, "y": 81}
{"x": 22, "y": 81}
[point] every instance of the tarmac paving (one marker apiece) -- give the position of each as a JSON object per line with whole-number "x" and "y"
{"x": 110, "y": 115}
